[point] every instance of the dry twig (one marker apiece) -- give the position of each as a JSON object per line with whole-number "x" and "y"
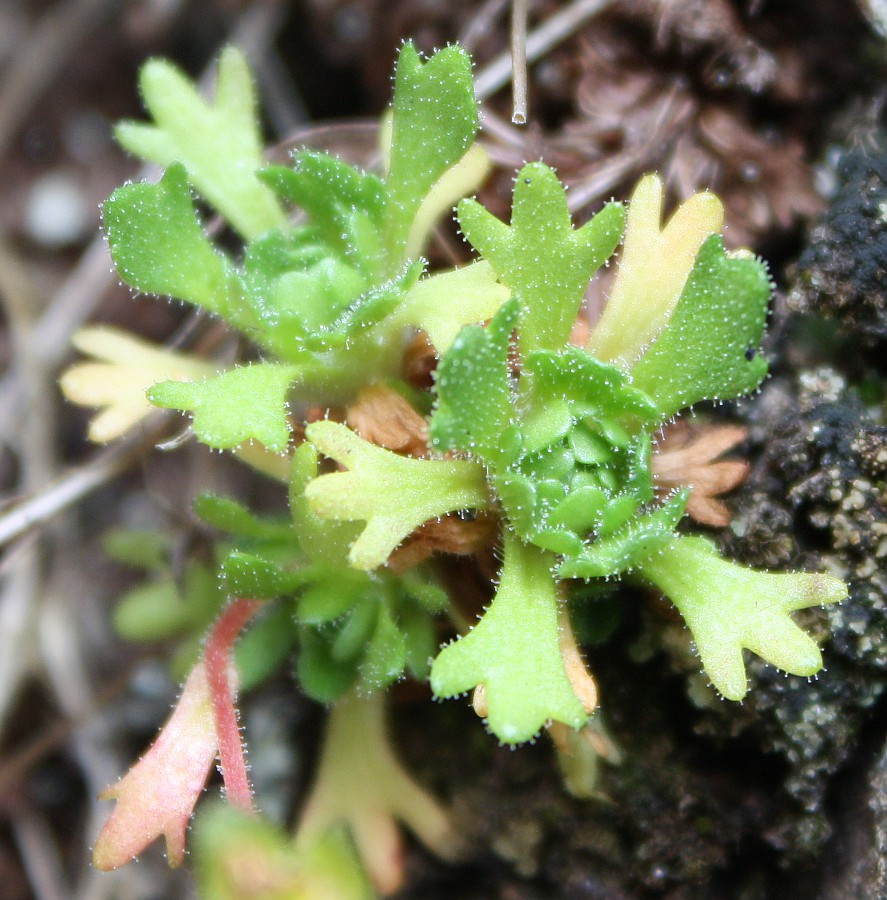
{"x": 550, "y": 33}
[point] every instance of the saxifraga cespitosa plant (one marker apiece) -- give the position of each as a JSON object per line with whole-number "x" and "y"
{"x": 531, "y": 434}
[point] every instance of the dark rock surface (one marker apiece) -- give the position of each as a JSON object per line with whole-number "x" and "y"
{"x": 842, "y": 272}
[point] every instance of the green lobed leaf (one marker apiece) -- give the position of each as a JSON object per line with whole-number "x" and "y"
{"x": 392, "y": 494}
{"x": 710, "y": 348}
{"x": 539, "y": 257}
{"x": 474, "y": 393}
{"x": 322, "y": 540}
{"x": 385, "y": 653}
{"x": 219, "y": 143}
{"x": 323, "y": 185}
{"x": 728, "y": 607}
{"x": 159, "y": 247}
{"x": 434, "y": 123}
{"x": 514, "y": 652}
{"x": 243, "y": 404}
{"x": 344, "y": 204}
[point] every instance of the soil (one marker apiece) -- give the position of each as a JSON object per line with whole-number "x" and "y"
{"x": 776, "y": 106}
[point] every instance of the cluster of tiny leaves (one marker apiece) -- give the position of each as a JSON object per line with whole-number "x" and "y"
{"x": 549, "y": 436}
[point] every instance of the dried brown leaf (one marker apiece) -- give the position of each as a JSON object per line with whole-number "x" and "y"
{"x": 419, "y": 362}
{"x": 450, "y": 534}
{"x": 684, "y": 458}
{"x": 383, "y": 417}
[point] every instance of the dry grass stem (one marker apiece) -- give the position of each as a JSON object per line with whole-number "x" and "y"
{"x": 519, "y": 61}
{"x": 451, "y": 534}
{"x": 549, "y": 34}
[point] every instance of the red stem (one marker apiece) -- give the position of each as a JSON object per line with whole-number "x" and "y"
{"x": 217, "y": 659}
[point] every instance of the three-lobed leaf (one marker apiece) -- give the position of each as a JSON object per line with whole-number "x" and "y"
{"x": 514, "y": 652}
{"x": 729, "y": 608}
{"x": 392, "y": 494}
{"x": 243, "y": 404}
{"x": 539, "y": 256}
{"x": 219, "y": 144}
